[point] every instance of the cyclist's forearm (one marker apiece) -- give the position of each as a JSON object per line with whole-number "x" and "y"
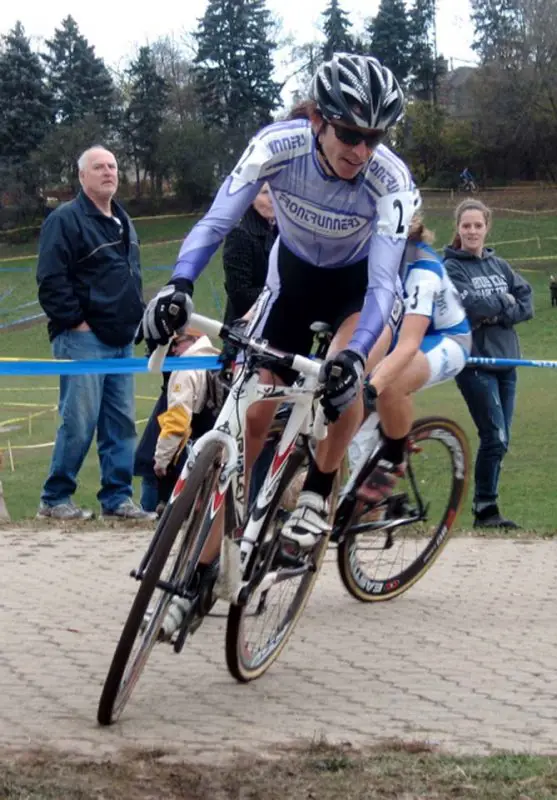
{"x": 383, "y": 265}
{"x": 206, "y": 236}
{"x": 379, "y": 349}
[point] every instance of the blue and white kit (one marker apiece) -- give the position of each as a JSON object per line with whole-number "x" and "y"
{"x": 425, "y": 289}
{"x": 429, "y": 292}
{"x": 340, "y": 243}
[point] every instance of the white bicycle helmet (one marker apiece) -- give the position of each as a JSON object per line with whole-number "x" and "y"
{"x": 359, "y": 91}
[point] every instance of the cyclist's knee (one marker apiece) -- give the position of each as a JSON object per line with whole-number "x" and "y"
{"x": 259, "y": 417}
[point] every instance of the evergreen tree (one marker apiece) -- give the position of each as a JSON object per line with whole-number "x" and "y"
{"x": 336, "y": 27}
{"x": 79, "y": 81}
{"x": 148, "y": 99}
{"x": 389, "y": 33}
{"x": 234, "y": 67}
{"x": 425, "y": 68}
{"x": 499, "y": 34}
{"x": 24, "y": 99}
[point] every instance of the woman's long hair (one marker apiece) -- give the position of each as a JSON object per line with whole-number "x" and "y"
{"x": 303, "y": 110}
{"x": 418, "y": 231}
{"x": 469, "y": 205}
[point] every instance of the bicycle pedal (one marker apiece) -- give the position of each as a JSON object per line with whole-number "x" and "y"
{"x": 290, "y": 556}
{"x": 190, "y": 624}
{"x": 205, "y": 598}
{"x": 397, "y": 505}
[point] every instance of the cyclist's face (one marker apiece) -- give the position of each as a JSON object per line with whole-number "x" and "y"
{"x": 347, "y": 160}
{"x": 472, "y": 229}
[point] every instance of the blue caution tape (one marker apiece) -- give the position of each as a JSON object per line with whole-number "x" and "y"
{"x": 511, "y": 362}
{"x": 105, "y": 366}
{"x": 115, "y": 366}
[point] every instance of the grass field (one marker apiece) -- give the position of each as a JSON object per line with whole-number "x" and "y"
{"x": 527, "y": 478}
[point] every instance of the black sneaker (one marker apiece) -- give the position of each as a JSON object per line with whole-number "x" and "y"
{"x": 489, "y": 517}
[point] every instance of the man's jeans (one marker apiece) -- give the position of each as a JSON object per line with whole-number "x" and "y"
{"x": 490, "y": 397}
{"x": 104, "y": 403}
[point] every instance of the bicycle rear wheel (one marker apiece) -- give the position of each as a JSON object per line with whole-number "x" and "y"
{"x": 383, "y": 563}
{"x": 257, "y": 632}
{"x": 176, "y": 546}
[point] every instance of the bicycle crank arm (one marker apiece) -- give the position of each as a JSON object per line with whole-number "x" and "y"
{"x": 382, "y": 526}
{"x": 270, "y": 579}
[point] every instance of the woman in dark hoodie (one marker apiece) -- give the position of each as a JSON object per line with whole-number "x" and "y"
{"x": 495, "y": 299}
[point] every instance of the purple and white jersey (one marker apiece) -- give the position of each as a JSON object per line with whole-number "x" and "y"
{"x": 325, "y": 221}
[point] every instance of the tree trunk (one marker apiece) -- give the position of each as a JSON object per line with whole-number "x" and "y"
{"x": 137, "y": 180}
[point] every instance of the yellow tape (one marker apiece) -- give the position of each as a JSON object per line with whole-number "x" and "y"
{"x": 520, "y": 241}
{"x": 33, "y": 256}
{"x": 520, "y": 260}
{"x": 53, "y": 360}
{"x": 135, "y": 219}
{"x": 29, "y": 388}
{"x": 502, "y": 189}
{"x": 170, "y": 216}
{"x": 19, "y": 258}
{"x": 522, "y": 211}
{"x": 28, "y": 446}
{"x": 24, "y": 419}
{"x": 10, "y": 403}
{"x": 165, "y": 241}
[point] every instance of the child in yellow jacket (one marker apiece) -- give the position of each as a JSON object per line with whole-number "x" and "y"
{"x": 186, "y": 408}
{"x": 186, "y": 396}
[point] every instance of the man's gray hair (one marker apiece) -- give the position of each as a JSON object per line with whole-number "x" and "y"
{"x": 82, "y": 160}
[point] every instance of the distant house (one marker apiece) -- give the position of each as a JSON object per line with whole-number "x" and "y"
{"x": 455, "y": 94}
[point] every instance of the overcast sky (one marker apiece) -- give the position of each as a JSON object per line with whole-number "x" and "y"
{"x": 116, "y": 30}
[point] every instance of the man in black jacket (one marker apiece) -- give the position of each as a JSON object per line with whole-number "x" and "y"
{"x": 90, "y": 288}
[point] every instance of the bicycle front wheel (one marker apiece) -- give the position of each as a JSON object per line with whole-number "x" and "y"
{"x": 257, "y": 632}
{"x": 384, "y": 562}
{"x": 176, "y": 547}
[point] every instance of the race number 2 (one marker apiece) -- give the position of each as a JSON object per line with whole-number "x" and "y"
{"x": 397, "y": 205}
{"x": 395, "y": 212}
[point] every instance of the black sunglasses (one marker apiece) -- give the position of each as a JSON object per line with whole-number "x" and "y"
{"x": 354, "y": 136}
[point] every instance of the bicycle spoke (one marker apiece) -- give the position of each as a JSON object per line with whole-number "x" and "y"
{"x": 437, "y": 467}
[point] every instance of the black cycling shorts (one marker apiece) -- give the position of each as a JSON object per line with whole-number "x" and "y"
{"x": 298, "y": 293}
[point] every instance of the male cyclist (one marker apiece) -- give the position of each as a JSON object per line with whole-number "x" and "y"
{"x": 343, "y": 203}
{"x": 467, "y": 180}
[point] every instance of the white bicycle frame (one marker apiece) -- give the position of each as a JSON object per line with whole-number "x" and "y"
{"x": 229, "y": 431}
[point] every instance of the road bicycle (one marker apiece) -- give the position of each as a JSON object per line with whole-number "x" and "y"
{"x": 468, "y": 185}
{"x": 265, "y": 588}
